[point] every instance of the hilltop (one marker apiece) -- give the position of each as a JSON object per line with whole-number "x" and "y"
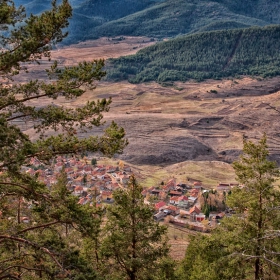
{"x": 160, "y": 18}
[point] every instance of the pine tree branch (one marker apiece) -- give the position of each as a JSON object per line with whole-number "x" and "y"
{"x": 18, "y": 117}
{"x": 3, "y": 238}
{"x": 19, "y": 266}
{"x": 10, "y": 276}
{"x": 270, "y": 261}
{"x": 20, "y": 101}
{"x": 40, "y": 226}
{"x": 24, "y": 188}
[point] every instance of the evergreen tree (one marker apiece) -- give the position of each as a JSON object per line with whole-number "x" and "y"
{"x": 134, "y": 244}
{"x": 247, "y": 244}
{"x": 38, "y": 247}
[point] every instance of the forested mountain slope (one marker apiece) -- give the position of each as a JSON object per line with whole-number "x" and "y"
{"x": 215, "y": 54}
{"x": 161, "y": 18}
{"x": 171, "y": 18}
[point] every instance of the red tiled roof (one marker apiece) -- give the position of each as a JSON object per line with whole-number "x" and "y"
{"x": 78, "y": 188}
{"x": 183, "y": 197}
{"x": 160, "y": 204}
{"x": 171, "y": 182}
{"x": 175, "y": 193}
{"x": 172, "y": 207}
{"x": 106, "y": 193}
{"x": 194, "y": 209}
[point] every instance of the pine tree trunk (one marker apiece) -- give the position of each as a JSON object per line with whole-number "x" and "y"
{"x": 258, "y": 266}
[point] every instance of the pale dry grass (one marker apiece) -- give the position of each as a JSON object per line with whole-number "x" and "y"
{"x": 102, "y": 48}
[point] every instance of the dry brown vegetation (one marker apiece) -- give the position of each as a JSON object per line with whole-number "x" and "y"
{"x": 187, "y": 129}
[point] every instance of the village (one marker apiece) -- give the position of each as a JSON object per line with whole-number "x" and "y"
{"x": 186, "y": 204}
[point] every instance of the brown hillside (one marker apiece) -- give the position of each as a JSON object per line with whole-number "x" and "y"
{"x": 187, "y": 121}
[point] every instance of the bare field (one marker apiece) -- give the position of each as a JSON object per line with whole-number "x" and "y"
{"x": 101, "y": 48}
{"x": 187, "y": 129}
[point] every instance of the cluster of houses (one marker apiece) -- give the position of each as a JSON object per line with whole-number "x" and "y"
{"x": 91, "y": 183}
{"x": 179, "y": 203}
{"x": 176, "y": 202}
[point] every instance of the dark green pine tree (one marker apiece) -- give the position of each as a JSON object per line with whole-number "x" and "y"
{"x": 247, "y": 244}
{"x": 134, "y": 245}
{"x": 40, "y": 248}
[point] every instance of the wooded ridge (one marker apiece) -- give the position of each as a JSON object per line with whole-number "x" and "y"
{"x": 209, "y": 55}
{"x": 158, "y": 18}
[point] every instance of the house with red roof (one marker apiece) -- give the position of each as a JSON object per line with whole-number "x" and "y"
{"x": 175, "y": 193}
{"x": 173, "y": 210}
{"x": 197, "y": 185}
{"x": 78, "y": 190}
{"x": 106, "y": 195}
{"x": 194, "y": 192}
{"x": 171, "y": 184}
{"x": 160, "y": 205}
{"x": 174, "y": 200}
{"x": 193, "y": 212}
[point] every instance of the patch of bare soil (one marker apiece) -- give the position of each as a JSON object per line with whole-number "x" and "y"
{"x": 165, "y": 125}
{"x": 101, "y": 48}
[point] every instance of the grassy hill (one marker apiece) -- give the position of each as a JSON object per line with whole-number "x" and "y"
{"x": 215, "y": 54}
{"x": 161, "y": 18}
{"x": 176, "y": 17}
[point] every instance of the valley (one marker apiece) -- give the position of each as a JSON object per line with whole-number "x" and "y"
{"x": 122, "y": 125}
{"x": 182, "y": 129}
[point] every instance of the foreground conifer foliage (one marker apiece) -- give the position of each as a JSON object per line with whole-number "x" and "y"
{"x": 134, "y": 245}
{"x": 47, "y": 246}
{"x": 247, "y": 244}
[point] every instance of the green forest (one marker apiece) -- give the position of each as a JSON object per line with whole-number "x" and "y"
{"x": 173, "y": 18}
{"x": 209, "y": 55}
{"x": 160, "y": 19}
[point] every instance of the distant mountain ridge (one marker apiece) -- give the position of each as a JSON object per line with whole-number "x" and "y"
{"x": 161, "y": 18}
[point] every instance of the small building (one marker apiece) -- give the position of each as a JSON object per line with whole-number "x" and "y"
{"x": 194, "y": 192}
{"x": 173, "y": 210}
{"x": 197, "y": 185}
{"x": 175, "y": 193}
{"x": 183, "y": 201}
{"x": 160, "y": 205}
{"x": 159, "y": 216}
{"x": 174, "y": 200}
{"x": 106, "y": 195}
{"x": 192, "y": 200}
{"x": 200, "y": 217}
{"x": 78, "y": 190}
